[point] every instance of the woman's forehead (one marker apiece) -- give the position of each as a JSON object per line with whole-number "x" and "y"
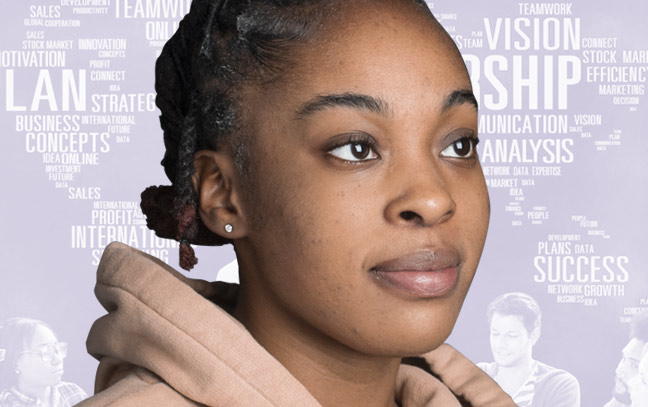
{"x": 375, "y": 22}
{"x": 42, "y": 336}
{"x": 390, "y": 54}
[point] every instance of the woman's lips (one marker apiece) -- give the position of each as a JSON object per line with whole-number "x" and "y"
{"x": 423, "y": 274}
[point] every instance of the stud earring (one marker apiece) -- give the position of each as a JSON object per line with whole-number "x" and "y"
{"x": 17, "y": 371}
{"x": 229, "y": 228}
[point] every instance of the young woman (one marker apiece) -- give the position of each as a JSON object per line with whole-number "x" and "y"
{"x": 333, "y": 144}
{"x": 31, "y": 366}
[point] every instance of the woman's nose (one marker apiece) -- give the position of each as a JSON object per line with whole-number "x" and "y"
{"x": 56, "y": 359}
{"x": 422, "y": 198}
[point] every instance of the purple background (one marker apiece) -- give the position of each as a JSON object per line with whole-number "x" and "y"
{"x": 45, "y": 277}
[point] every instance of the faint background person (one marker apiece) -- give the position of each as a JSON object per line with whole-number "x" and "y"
{"x": 628, "y": 366}
{"x": 31, "y": 366}
{"x": 515, "y": 321}
{"x": 638, "y": 385}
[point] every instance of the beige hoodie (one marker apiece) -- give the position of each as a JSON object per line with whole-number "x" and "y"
{"x": 165, "y": 343}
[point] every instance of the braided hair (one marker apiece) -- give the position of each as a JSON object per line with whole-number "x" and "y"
{"x": 219, "y": 45}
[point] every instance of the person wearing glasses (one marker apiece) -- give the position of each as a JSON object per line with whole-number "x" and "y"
{"x": 31, "y": 366}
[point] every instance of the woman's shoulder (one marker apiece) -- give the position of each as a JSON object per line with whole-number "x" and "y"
{"x": 11, "y": 397}
{"x": 70, "y": 393}
{"x": 8, "y": 398}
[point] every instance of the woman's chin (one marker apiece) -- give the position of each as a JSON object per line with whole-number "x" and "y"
{"x": 403, "y": 340}
{"x": 405, "y": 347}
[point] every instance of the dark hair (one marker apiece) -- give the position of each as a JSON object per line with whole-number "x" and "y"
{"x": 219, "y": 45}
{"x": 639, "y": 326}
{"x": 518, "y": 304}
{"x": 16, "y": 335}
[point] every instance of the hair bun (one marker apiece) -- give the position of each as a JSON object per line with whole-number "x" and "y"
{"x": 158, "y": 205}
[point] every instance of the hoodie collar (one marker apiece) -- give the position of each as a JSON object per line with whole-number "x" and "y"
{"x": 178, "y": 328}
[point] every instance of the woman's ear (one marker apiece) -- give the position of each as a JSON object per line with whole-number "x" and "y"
{"x": 218, "y": 188}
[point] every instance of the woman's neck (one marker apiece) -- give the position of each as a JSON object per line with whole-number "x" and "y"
{"x": 333, "y": 373}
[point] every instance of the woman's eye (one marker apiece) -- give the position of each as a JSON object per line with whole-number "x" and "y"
{"x": 463, "y": 148}
{"x": 354, "y": 151}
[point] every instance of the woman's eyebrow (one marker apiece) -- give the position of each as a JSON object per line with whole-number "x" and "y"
{"x": 459, "y": 97}
{"x": 350, "y": 100}
{"x": 369, "y": 103}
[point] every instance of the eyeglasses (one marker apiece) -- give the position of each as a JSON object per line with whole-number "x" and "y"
{"x": 47, "y": 352}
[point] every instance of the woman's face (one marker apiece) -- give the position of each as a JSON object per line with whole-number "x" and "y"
{"x": 34, "y": 370}
{"x": 368, "y": 208}
{"x": 510, "y": 341}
